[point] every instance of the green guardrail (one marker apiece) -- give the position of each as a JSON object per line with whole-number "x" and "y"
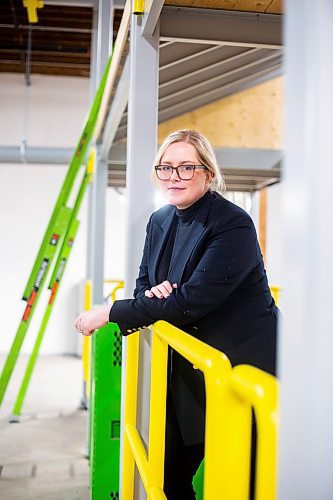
{"x": 104, "y": 428}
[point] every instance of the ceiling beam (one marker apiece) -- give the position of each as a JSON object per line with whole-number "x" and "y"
{"x": 151, "y": 16}
{"x": 221, "y": 26}
{"x": 229, "y": 158}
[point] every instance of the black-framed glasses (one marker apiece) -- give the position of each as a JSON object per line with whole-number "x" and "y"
{"x": 184, "y": 172}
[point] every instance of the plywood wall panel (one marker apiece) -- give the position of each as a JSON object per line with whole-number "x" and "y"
{"x": 250, "y": 119}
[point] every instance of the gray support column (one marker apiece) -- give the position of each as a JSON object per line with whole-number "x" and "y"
{"x": 102, "y": 43}
{"x": 94, "y": 55}
{"x": 141, "y": 149}
{"x": 306, "y": 344}
{"x": 96, "y": 233}
{"x": 104, "y": 34}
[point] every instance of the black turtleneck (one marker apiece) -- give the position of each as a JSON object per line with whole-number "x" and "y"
{"x": 177, "y": 236}
{"x": 186, "y": 215}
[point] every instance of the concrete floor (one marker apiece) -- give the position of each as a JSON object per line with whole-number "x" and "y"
{"x": 43, "y": 456}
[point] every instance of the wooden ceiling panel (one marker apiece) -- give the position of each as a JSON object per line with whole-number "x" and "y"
{"x": 60, "y": 41}
{"x": 266, "y": 6}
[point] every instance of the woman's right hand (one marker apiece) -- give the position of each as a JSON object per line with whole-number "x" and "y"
{"x": 89, "y": 321}
{"x": 161, "y": 291}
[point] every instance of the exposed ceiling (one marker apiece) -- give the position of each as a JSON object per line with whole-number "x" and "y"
{"x": 60, "y": 41}
{"x": 204, "y": 56}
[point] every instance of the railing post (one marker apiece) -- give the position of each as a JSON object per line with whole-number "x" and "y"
{"x": 157, "y": 411}
{"x": 130, "y": 413}
{"x": 260, "y": 389}
{"x": 227, "y": 440}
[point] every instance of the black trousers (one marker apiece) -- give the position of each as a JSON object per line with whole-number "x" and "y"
{"x": 181, "y": 461}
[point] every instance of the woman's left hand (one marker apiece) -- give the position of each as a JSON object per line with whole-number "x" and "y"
{"x": 89, "y": 321}
{"x": 161, "y": 291}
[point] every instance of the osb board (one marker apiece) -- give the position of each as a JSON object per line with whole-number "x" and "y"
{"x": 250, "y": 119}
{"x": 267, "y": 6}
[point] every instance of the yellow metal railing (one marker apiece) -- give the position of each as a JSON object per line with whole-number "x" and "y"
{"x": 230, "y": 396}
{"x": 275, "y": 291}
{"x": 86, "y": 340}
{"x": 117, "y": 285}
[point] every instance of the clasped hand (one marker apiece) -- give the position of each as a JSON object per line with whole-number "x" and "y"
{"x": 161, "y": 291}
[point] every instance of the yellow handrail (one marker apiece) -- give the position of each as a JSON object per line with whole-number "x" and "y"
{"x": 230, "y": 395}
{"x": 86, "y": 340}
{"x": 275, "y": 291}
{"x": 261, "y": 390}
{"x": 118, "y": 285}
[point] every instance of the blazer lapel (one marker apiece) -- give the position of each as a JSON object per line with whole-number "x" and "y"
{"x": 159, "y": 235}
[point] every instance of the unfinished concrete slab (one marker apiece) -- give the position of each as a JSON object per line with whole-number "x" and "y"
{"x": 43, "y": 456}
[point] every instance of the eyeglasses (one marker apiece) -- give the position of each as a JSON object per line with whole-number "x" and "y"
{"x": 184, "y": 172}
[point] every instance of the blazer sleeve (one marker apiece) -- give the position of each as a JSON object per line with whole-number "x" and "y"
{"x": 228, "y": 256}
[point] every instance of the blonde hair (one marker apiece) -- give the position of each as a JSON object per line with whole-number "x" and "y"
{"x": 204, "y": 150}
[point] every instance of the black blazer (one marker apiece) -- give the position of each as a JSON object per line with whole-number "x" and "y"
{"x": 222, "y": 298}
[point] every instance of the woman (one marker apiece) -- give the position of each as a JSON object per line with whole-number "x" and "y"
{"x": 202, "y": 271}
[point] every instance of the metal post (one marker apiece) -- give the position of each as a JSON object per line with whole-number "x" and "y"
{"x": 98, "y": 229}
{"x": 104, "y": 34}
{"x": 141, "y": 148}
{"x": 102, "y": 43}
{"x": 306, "y": 345}
{"x": 94, "y": 56}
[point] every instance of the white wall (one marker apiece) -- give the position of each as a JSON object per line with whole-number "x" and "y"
{"x": 274, "y": 237}
{"x": 56, "y": 111}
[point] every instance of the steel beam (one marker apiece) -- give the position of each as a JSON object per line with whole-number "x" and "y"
{"x": 200, "y": 59}
{"x": 151, "y": 16}
{"x": 248, "y": 158}
{"x": 35, "y": 155}
{"x": 244, "y": 169}
{"x": 218, "y": 74}
{"x": 221, "y": 27}
{"x": 232, "y": 158}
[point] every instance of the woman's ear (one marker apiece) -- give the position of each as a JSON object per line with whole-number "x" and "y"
{"x": 210, "y": 176}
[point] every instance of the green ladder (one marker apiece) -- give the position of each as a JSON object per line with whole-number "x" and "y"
{"x": 58, "y": 271}
{"x": 57, "y": 229}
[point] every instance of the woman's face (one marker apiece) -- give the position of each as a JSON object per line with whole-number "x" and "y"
{"x": 183, "y": 193}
